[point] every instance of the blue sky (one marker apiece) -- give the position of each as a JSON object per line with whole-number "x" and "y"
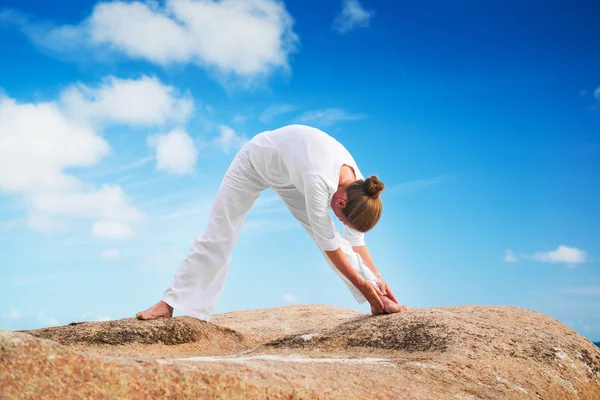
{"x": 119, "y": 119}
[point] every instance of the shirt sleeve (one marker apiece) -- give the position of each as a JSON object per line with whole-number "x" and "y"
{"x": 317, "y": 206}
{"x": 356, "y": 238}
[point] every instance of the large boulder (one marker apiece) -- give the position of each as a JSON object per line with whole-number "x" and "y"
{"x": 464, "y": 352}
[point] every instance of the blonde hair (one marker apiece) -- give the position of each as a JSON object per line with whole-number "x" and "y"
{"x": 364, "y": 207}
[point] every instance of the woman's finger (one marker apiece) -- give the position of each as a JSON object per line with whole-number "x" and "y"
{"x": 391, "y": 295}
{"x": 381, "y": 286}
{"x": 375, "y": 299}
{"x": 377, "y": 290}
{"x": 380, "y": 307}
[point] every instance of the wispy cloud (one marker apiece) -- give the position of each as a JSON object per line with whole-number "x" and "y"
{"x": 228, "y": 139}
{"x": 110, "y": 254}
{"x": 275, "y": 110}
{"x": 12, "y": 314}
{"x": 510, "y": 257}
{"x": 112, "y": 230}
{"x": 28, "y": 280}
{"x": 352, "y": 16}
{"x": 328, "y": 117}
{"x": 563, "y": 254}
{"x": 89, "y": 316}
{"x": 162, "y": 261}
{"x": 414, "y": 186}
{"x": 290, "y": 298}
{"x": 590, "y": 290}
{"x": 8, "y": 226}
{"x": 258, "y": 226}
{"x": 238, "y": 119}
{"x": 47, "y": 320}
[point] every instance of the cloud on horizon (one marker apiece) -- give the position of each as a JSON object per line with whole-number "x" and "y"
{"x": 563, "y": 254}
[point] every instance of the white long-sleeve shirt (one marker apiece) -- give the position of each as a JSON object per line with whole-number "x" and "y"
{"x": 310, "y": 160}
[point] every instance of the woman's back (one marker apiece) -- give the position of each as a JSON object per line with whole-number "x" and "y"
{"x": 283, "y": 156}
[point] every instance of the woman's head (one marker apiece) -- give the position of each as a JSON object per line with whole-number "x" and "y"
{"x": 361, "y": 206}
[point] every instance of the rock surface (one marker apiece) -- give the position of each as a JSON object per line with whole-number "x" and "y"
{"x": 309, "y": 351}
{"x": 180, "y": 336}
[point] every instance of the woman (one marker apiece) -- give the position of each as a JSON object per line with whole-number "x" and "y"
{"x": 310, "y": 171}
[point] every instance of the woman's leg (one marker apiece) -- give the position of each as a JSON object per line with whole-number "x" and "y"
{"x": 198, "y": 283}
{"x": 296, "y": 203}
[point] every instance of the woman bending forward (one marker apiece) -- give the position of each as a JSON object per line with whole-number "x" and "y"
{"x": 310, "y": 171}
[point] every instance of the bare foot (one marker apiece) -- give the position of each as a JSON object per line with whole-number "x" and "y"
{"x": 375, "y": 312}
{"x": 159, "y": 310}
{"x": 390, "y": 306}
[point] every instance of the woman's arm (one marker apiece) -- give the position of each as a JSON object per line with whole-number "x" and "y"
{"x": 363, "y": 251}
{"x": 371, "y": 291}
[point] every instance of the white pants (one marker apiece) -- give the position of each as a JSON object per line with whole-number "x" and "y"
{"x": 198, "y": 282}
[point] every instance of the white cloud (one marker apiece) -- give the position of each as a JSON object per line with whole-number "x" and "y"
{"x": 229, "y": 140}
{"x": 593, "y": 291}
{"x": 47, "y": 320}
{"x": 597, "y": 93}
{"x": 107, "y": 202}
{"x": 290, "y": 298}
{"x": 327, "y": 117}
{"x": 38, "y": 141}
{"x": 510, "y": 257}
{"x": 43, "y": 140}
{"x": 562, "y": 254}
{"x": 272, "y": 111}
{"x": 110, "y": 254}
{"x": 247, "y": 38}
{"x": 352, "y": 16}
{"x": 144, "y": 101}
{"x": 12, "y": 314}
{"x": 176, "y": 152}
{"x": 112, "y": 230}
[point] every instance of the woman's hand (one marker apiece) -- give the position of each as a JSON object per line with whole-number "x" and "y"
{"x": 372, "y": 293}
{"x": 385, "y": 289}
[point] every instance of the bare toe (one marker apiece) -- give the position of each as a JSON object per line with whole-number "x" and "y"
{"x": 159, "y": 310}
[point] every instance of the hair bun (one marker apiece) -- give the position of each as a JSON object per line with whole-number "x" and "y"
{"x": 373, "y": 186}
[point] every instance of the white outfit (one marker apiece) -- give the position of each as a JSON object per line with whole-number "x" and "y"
{"x": 302, "y": 165}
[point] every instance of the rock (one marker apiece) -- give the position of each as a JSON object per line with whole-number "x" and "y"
{"x": 271, "y": 323}
{"x": 177, "y": 336}
{"x": 464, "y": 352}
